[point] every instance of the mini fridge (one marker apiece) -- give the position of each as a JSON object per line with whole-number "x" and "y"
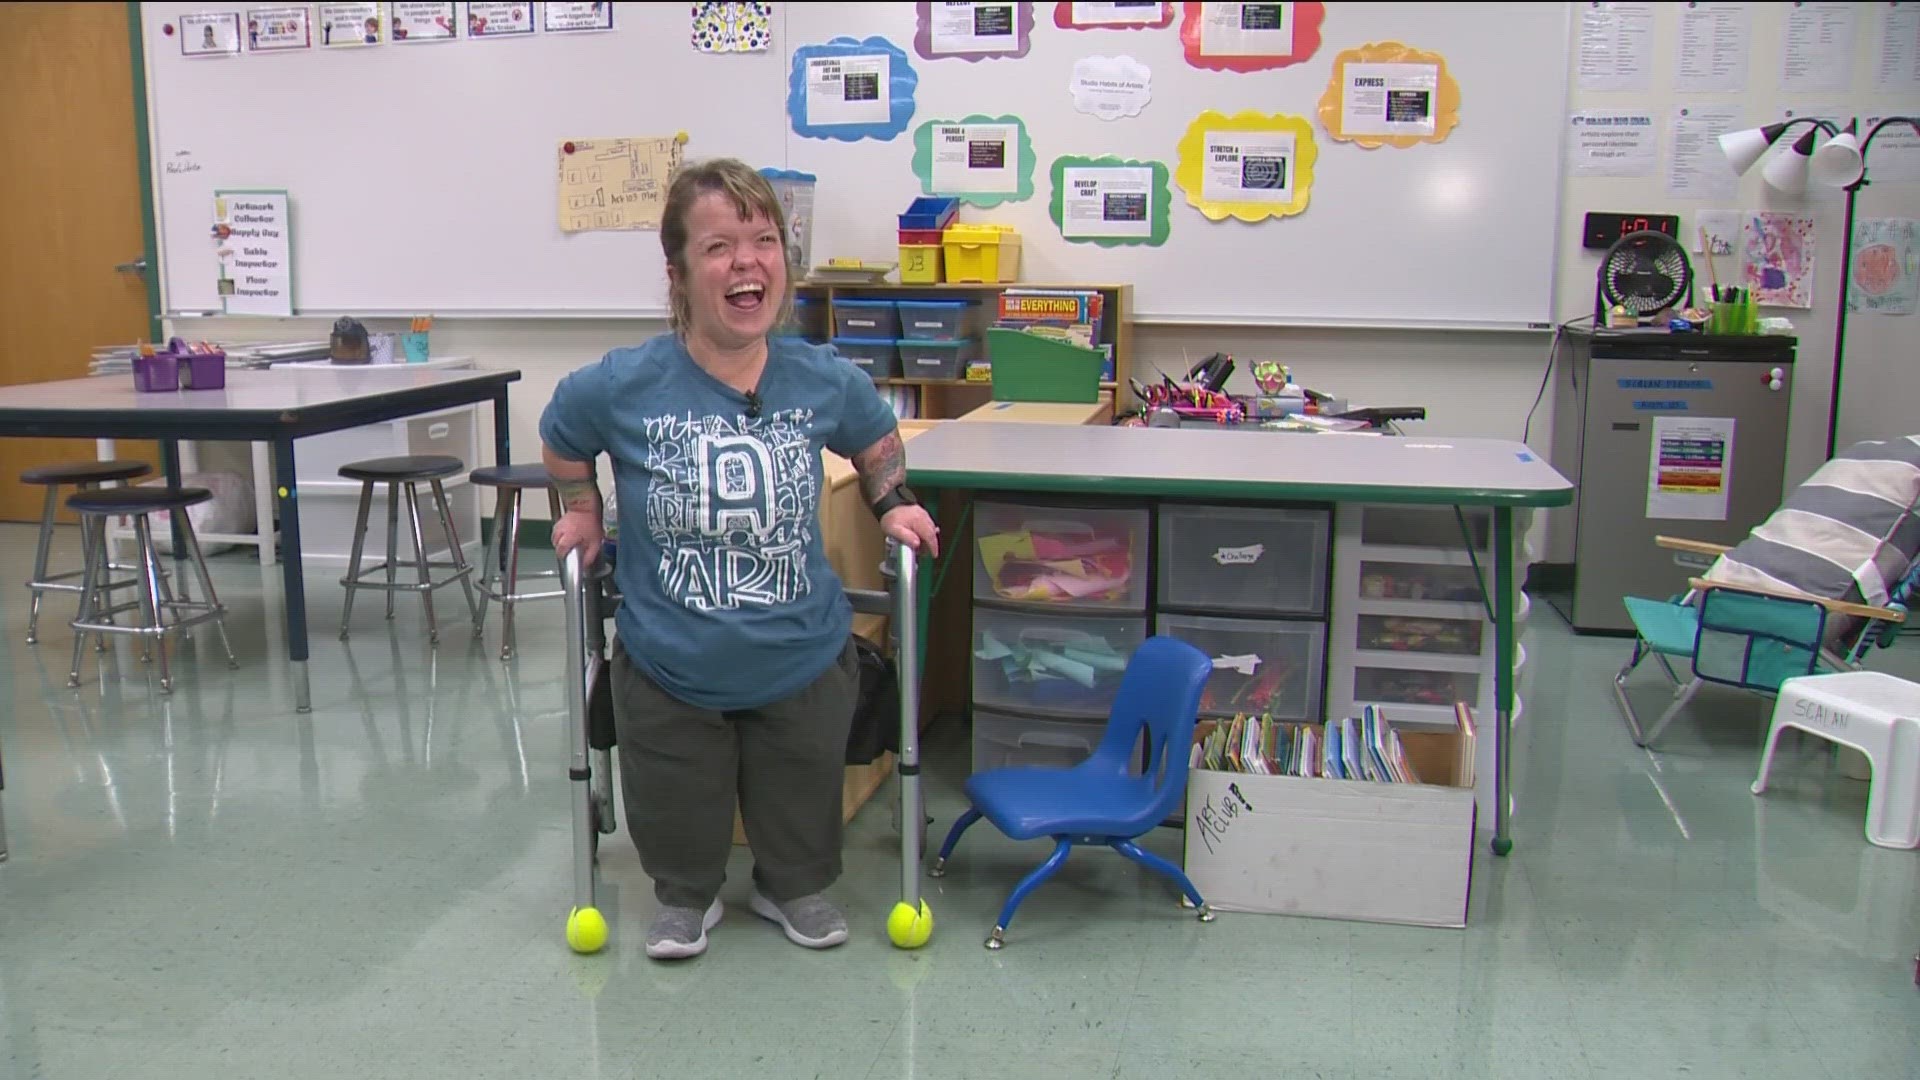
{"x": 1675, "y": 434}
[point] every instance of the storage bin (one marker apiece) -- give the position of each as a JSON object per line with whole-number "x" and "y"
{"x": 1429, "y": 527}
{"x": 866, "y": 319}
{"x": 808, "y": 322}
{"x": 1051, "y": 664}
{"x": 939, "y": 320}
{"x": 1387, "y": 580}
{"x": 934, "y": 212}
{"x": 1272, "y": 668}
{"x": 936, "y": 359}
{"x": 1257, "y": 560}
{"x": 879, "y": 359}
{"x": 1070, "y": 557}
{"x": 1000, "y": 741}
{"x": 1028, "y": 367}
{"x": 1420, "y": 634}
{"x": 982, "y": 253}
{"x": 921, "y": 264}
{"x": 1408, "y": 686}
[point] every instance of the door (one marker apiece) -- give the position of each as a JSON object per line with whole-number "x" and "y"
{"x": 70, "y": 199}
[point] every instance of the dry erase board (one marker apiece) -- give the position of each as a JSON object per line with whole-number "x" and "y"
{"x": 422, "y": 176}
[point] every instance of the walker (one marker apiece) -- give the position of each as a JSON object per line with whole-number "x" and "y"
{"x": 591, "y": 767}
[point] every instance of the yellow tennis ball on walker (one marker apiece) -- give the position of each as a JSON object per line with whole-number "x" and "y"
{"x": 907, "y": 928}
{"x": 586, "y": 930}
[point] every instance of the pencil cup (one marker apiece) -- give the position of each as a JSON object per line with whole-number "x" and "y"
{"x": 415, "y": 344}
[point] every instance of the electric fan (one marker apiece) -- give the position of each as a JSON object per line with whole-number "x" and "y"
{"x": 1645, "y": 273}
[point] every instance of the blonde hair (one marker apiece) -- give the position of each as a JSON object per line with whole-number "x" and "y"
{"x": 749, "y": 192}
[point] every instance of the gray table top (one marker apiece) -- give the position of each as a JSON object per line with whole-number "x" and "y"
{"x": 247, "y": 390}
{"x": 1104, "y": 460}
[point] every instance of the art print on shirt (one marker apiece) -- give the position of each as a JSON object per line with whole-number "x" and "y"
{"x": 731, "y": 504}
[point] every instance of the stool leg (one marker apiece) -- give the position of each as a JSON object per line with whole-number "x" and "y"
{"x": 1766, "y": 757}
{"x": 40, "y": 561}
{"x": 457, "y": 553}
{"x": 213, "y": 599}
{"x": 150, "y": 595}
{"x": 393, "y": 540}
{"x": 95, "y": 554}
{"x": 489, "y": 555}
{"x": 420, "y": 561}
{"x": 352, "y": 580}
{"x": 513, "y": 577}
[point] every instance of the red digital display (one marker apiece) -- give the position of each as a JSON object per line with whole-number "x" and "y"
{"x": 1603, "y": 228}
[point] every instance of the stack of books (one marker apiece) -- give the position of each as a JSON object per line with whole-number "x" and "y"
{"x": 1365, "y": 748}
{"x": 1070, "y": 315}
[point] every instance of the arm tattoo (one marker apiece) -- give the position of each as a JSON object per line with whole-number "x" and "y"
{"x": 582, "y": 494}
{"x": 882, "y": 466}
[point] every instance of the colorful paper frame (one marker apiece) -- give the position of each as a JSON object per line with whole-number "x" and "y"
{"x": 1446, "y": 96}
{"x": 923, "y": 36}
{"x": 902, "y": 83}
{"x": 1307, "y": 18}
{"x": 1190, "y": 173}
{"x": 1159, "y": 205}
{"x": 1023, "y": 166}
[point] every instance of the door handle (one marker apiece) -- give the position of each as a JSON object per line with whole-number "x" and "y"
{"x": 137, "y": 266}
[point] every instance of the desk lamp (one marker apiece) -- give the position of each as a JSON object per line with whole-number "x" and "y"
{"x": 1840, "y": 162}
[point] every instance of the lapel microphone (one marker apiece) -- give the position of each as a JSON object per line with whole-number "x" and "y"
{"x": 753, "y": 404}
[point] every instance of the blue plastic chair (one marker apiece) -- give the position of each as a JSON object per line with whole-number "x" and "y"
{"x": 1116, "y": 795}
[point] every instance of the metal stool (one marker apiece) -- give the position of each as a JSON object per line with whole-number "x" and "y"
{"x": 402, "y": 475}
{"x": 500, "y": 566}
{"x": 156, "y": 599}
{"x": 87, "y": 476}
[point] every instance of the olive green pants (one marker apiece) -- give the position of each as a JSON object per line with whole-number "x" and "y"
{"x": 683, "y": 769}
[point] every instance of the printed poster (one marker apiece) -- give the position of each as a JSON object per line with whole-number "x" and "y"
{"x": 1107, "y": 202}
{"x": 281, "y": 29}
{"x": 1111, "y": 87}
{"x": 976, "y": 158}
{"x": 1687, "y": 470}
{"x": 487, "y": 20}
{"x": 1135, "y": 13}
{"x": 254, "y": 246}
{"x": 732, "y": 27}
{"x": 615, "y": 184}
{"x": 1712, "y": 47}
{"x": 1819, "y": 49}
{"x": 349, "y": 25}
{"x": 1246, "y": 29}
{"x": 1616, "y": 46}
{"x": 571, "y": 18}
{"x": 1696, "y": 168}
{"x": 424, "y": 22}
{"x": 1388, "y": 99}
{"x": 958, "y": 29}
{"x": 1884, "y": 278}
{"x": 1778, "y": 265}
{"x": 1610, "y": 143}
{"x": 1248, "y": 166}
{"x": 210, "y": 33}
{"x": 1897, "y": 65}
{"x": 848, "y": 90}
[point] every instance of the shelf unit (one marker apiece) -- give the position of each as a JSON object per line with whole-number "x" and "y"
{"x": 947, "y": 399}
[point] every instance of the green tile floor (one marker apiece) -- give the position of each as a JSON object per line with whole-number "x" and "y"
{"x": 210, "y": 886}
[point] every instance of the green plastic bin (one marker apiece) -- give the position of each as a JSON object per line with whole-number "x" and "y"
{"x": 1028, "y": 367}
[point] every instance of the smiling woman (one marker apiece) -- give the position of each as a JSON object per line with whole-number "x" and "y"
{"x": 735, "y": 676}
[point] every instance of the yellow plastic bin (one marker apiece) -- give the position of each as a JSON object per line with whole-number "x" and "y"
{"x": 920, "y": 264}
{"x": 982, "y": 253}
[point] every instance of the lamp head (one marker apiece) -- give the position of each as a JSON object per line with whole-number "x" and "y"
{"x": 1838, "y": 163}
{"x": 1743, "y": 148}
{"x": 1787, "y": 171}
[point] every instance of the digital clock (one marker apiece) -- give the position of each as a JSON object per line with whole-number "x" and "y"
{"x": 1604, "y": 228}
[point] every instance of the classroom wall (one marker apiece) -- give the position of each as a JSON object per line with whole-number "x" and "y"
{"x": 1472, "y": 383}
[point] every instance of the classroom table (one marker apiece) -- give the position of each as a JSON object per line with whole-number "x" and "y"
{"x": 275, "y": 407}
{"x": 985, "y": 457}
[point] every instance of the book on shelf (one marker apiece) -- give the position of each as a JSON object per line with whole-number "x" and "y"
{"x": 1070, "y": 315}
{"x": 1364, "y": 748}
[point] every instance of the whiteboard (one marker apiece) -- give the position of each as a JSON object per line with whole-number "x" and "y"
{"x": 423, "y": 176}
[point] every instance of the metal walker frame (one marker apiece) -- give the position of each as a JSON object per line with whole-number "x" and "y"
{"x": 590, "y": 770}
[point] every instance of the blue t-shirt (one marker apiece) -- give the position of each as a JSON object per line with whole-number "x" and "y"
{"x": 728, "y": 599}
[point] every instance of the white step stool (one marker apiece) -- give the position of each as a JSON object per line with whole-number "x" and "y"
{"x": 1875, "y": 714}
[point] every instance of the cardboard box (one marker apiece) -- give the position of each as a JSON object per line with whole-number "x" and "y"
{"x": 1337, "y": 849}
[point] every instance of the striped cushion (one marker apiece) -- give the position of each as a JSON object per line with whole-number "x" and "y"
{"x": 1849, "y": 533}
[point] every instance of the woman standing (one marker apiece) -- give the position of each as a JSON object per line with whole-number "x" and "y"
{"x": 735, "y": 676}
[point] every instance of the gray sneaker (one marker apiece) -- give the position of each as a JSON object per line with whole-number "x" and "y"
{"x": 679, "y": 932}
{"x": 811, "y": 921}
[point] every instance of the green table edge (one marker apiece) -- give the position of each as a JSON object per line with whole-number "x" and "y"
{"x": 1233, "y": 489}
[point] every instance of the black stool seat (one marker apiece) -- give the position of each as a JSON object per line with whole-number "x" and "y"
{"x": 82, "y": 472}
{"x": 412, "y": 467}
{"x": 137, "y": 500}
{"x": 512, "y": 476}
